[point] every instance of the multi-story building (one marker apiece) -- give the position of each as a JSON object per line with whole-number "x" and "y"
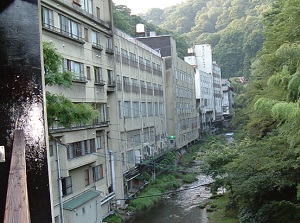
{"x": 208, "y": 85}
{"x": 227, "y": 100}
{"x": 139, "y": 123}
{"x": 181, "y": 112}
{"x": 82, "y": 165}
{"x": 217, "y": 94}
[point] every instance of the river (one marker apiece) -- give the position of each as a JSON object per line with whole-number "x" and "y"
{"x": 182, "y": 207}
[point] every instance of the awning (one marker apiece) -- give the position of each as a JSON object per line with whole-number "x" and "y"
{"x": 81, "y": 199}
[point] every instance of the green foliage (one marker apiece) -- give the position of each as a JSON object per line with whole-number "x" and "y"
{"x": 60, "y": 109}
{"x": 115, "y": 218}
{"x": 234, "y": 28}
{"x": 189, "y": 178}
{"x": 52, "y": 66}
{"x": 148, "y": 199}
{"x": 126, "y": 22}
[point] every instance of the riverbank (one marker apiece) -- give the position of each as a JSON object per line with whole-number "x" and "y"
{"x": 216, "y": 210}
{"x": 176, "y": 175}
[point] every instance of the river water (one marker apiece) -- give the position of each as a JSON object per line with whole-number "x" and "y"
{"x": 182, "y": 207}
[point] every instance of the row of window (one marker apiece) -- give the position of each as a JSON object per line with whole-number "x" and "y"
{"x": 184, "y": 108}
{"x": 142, "y": 63}
{"x": 183, "y": 76}
{"x": 81, "y": 148}
{"x": 77, "y": 70}
{"x": 136, "y": 109}
{"x": 73, "y": 29}
{"x": 184, "y": 93}
{"x": 132, "y": 84}
{"x": 97, "y": 173}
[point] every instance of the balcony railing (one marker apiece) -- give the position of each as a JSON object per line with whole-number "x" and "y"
{"x": 109, "y": 50}
{"x": 111, "y": 83}
{"x": 63, "y": 32}
{"x": 79, "y": 78}
{"x": 97, "y": 46}
{"x": 99, "y": 82}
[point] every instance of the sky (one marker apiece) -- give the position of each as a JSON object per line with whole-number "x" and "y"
{"x": 142, "y": 6}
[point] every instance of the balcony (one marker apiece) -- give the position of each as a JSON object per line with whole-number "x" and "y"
{"x": 109, "y": 50}
{"x": 99, "y": 82}
{"x": 63, "y": 33}
{"x": 79, "y": 78}
{"x": 97, "y": 46}
{"x": 111, "y": 85}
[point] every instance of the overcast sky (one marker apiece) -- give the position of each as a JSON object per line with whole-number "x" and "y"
{"x": 142, "y": 6}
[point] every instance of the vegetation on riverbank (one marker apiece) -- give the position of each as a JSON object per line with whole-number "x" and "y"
{"x": 217, "y": 210}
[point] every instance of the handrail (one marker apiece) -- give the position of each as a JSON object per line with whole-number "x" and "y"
{"x": 17, "y": 205}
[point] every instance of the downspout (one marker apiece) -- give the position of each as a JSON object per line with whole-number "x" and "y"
{"x": 112, "y": 166}
{"x": 59, "y": 184}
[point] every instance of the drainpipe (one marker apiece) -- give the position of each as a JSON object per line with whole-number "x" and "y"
{"x": 112, "y": 166}
{"x": 59, "y": 184}
{"x": 106, "y": 157}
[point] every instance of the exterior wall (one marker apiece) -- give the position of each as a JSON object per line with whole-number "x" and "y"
{"x": 217, "y": 92}
{"x": 207, "y": 84}
{"x": 86, "y": 46}
{"x": 139, "y": 124}
{"x": 228, "y": 97}
{"x": 182, "y": 115}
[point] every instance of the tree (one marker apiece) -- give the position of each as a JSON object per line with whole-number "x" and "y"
{"x": 60, "y": 109}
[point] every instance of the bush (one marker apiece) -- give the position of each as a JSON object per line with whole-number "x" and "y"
{"x": 189, "y": 178}
{"x": 113, "y": 219}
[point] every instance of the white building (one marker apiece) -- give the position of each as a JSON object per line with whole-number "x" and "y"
{"x": 207, "y": 85}
{"x": 227, "y": 99}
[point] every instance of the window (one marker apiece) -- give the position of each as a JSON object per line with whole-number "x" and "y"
{"x": 96, "y": 39}
{"x": 97, "y": 172}
{"x": 132, "y": 56}
{"x": 47, "y": 18}
{"x": 51, "y": 150}
{"x": 87, "y": 5}
{"x": 81, "y": 148}
{"x": 149, "y": 105}
{"x": 67, "y": 186}
{"x": 98, "y": 12}
{"x": 98, "y": 138}
{"x": 88, "y": 72}
{"x": 156, "y": 108}
{"x": 137, "y": 139}
{"x": 110, "y": 75}
{"x": 86, "y": 34}
{"x": 124, "y": 53}
{"x": 98, "y": 75}
{"x": 69, "y": 27}
{"x": 135, "y": 108}
{"x": 86, "y": 177}
{"x": 109, "y": 43}
{"x": 144, "y": 111}
{"x": 120, "y": 109}
{"x": 76, "y": 68}
{"x": 127, "y": 107}
{"x": 130, "y": 157}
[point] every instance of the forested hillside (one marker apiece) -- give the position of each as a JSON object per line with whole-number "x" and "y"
{"x": 261, "y": 168}
{"x": 233, "y": 27}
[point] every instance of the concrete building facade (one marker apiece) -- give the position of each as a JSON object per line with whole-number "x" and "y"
{"x": 139, "y": 124}
{"x": 207, "y": 84}
{"x": 181, "y": 112}
{"x": 82, "y": 166}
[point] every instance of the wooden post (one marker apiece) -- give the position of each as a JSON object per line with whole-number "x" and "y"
{"x": 17, "y": 206}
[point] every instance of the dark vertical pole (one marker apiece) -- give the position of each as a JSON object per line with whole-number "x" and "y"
{"x": 22, "y": 102}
